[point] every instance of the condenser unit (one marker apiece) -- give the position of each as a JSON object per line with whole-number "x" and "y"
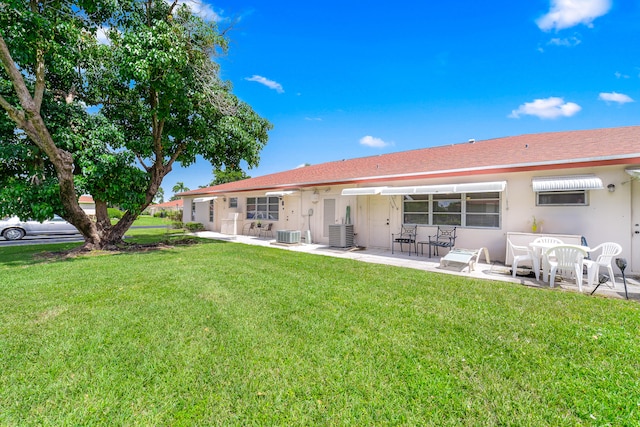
{"x": 341, "y": 235}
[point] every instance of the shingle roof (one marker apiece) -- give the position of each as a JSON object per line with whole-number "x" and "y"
{"x": 525, "y": 152}
{"x": 178, "y": 203}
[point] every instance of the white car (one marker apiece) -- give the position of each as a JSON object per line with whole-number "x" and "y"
{"x": 12, "y": 228}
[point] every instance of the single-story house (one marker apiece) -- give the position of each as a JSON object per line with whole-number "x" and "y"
{"x": 576, "y": 184}
{"x": 87, "y": 204}
{"x": 166, "y": 207}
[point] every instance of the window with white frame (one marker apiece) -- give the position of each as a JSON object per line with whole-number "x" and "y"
{"x": 233, "y": 202}
{"x": 562, "y": 198}
{"x": 193, "y": 210}
{"x": 211, "y": 210}
{"x": 459, "y": 209}
{"x": 264, "y": 208}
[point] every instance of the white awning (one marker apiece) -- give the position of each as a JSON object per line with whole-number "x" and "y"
{"x": 634, "y": 172}
{"x": 204, "y": 199}
{"x": 471, "y": 187}
{"x": 279, "y": 193}
{"x": 567, "y": 183}
{"x": 363, "y": 191}
{"x": 481, "y": 187}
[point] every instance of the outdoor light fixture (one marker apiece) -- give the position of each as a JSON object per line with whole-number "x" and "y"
{"x": 611, "y": 188}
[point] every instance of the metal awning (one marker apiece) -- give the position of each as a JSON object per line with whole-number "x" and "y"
{"x": 204, "y": 199}
{"x": 279, "y": 193}
{"x": 470, "y": 187}
{"x": 363, "y": 191}
{"x": 634, "y": 172}
{"x": 567, "y": 183}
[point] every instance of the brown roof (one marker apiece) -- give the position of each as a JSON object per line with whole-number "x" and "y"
{"x": 170, "y": 204}
{"x": 85, "y": 198}
{"x": 516, "y": 153}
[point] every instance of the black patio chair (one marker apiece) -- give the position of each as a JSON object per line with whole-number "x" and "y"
{"x": 445, "y": 237}
{"x": 407, "y": 235}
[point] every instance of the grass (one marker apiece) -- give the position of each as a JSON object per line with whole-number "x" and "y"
{"x": 228, "y": 334}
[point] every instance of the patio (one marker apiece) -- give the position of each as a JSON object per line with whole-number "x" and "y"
{"x": 483, "y": 270}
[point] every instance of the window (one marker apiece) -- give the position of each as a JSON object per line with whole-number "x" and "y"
{"x": 262, "y": 208}
{"x": 447, "y": 209}
{"x": 562, "y": 198}
{"x": 211, "y": 210}
{"x": 233, "y": 202}
{"x": 193, "y": 210}
{"x": 459, "y": 209}
{"x": 482, "y": 210}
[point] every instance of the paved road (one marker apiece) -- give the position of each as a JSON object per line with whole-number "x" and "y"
{"x": 38, "y": 240}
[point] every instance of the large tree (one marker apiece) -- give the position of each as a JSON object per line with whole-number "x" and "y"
{"x": 228, "y": 174}
{"x": 110, "y": 119}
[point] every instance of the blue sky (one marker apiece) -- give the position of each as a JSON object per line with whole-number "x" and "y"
{"x": 351, "y": 79}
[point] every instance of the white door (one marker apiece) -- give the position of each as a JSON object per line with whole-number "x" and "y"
{"x": 379, "y": 216}
{"x": 290, "y": 211}
{"x": 329, "y": 215}
{"x": 634, "y": 261}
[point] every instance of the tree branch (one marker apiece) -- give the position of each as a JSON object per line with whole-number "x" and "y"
{"x": 142, "y": 163}
{"x": 38, "y": 94}
{"x": 15, "y": 114}
{"x": 16, "y": 78}
{"x": 173, "y": 5}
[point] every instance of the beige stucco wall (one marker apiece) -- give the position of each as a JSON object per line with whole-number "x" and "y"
{"x": 607, "y": 217}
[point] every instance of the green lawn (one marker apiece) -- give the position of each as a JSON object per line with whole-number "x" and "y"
{"x": 228, "y": 334}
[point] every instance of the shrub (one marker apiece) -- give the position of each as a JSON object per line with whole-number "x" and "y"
{"x": 177, "y": 224}
{"x": 115, "y": 213}
{"x": 194, "y": 226}
{"x": 175, "y": 215}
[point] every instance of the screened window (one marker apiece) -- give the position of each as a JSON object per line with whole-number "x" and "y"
{"x": 233, "y": 202}
{"x": 193, "y": 211}
{"x": 447, "y": 209}
{"x": 262, "y": 208}
{"x": 562, "y": 198}
{"x": 482, "y": 210}
{"x": 416, "y": 209}
{"x": 458, "y": 209}
{"x": 211, "y": 210}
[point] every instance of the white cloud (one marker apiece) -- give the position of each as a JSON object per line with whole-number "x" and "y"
{"x": 566, "y": 42}
{"x": 313, "y": 119}
{"x": 203, "y": 10}
{"x": 615, "y": 97}
{"x": 102, "y": 37}
{"x": 569, "y": 13}
{"x": 370, "y": 141}
{"x": 549, "y": 108}
{"x": 268, "y": 83}
{"x": 619, "y": 75}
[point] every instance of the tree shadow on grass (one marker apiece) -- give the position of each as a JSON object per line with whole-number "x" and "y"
{"x": 24, "y": 256}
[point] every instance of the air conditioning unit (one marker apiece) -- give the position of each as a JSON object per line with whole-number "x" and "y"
{"x": 288, "y": 236}
{"x": 341, "y": 235}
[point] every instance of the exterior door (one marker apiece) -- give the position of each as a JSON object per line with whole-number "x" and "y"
{"x": 290, "y": 209}
{"x": 634, "y": 261}
{"x": 329, "y": 215}
{"x": 379, "y": 216}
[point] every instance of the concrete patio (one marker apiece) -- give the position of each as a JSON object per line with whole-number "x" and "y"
{"x": 483, "y": 270}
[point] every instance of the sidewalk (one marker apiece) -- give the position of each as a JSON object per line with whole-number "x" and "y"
{"x": 483, "y": 270}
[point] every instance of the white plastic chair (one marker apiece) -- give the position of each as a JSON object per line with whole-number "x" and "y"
{"x": 545, "y": 240}
{"x": 608, "y": 251}
{"x": 548, "y": 239}
{"x": 524, "y": 254}
{"x": 565, "y": 260}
